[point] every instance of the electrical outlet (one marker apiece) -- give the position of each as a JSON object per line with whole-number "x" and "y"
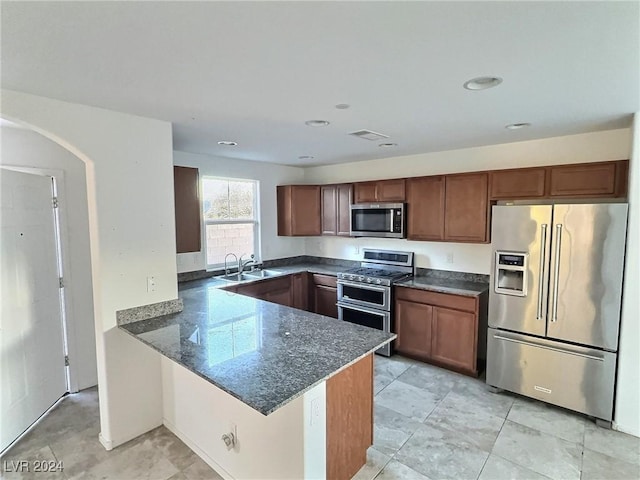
{"x": 450, "y": 257}
{"x": 315, "y": 411}
{"x": 151, "y": 284}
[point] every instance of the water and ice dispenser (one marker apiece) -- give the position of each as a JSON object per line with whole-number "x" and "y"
{"x": 511, "y": 273}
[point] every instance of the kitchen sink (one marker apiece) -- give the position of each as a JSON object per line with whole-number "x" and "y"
{"x": 236, "y": 277}
{"x": 263, "y": 273}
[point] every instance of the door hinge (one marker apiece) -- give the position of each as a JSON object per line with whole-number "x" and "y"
{"x": 55, "y": 202}
{"x": 61, "y": 282}
{"x": 66, "y": 360}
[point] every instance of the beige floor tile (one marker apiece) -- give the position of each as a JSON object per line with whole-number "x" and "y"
{"x": 375, "y": 463}
{"x": 395, "y": 470}
{"x": 540, "y": 452}
{"x": 612, "y": 443}
{"x": 498, "y": 468}
{"x": 597, "y": 466}
{"x": 548, "y": 419}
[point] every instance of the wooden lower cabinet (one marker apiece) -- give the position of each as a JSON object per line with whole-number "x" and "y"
{"x": 439, "y": 328}
{"x": 349, "y": 419}
{"x": 275, "y": 290}
{"x": 300, "y": 291}
{"x": 413, "y": 326}
{"x": 454, "y": 337}
{"x": 325, "y": 295}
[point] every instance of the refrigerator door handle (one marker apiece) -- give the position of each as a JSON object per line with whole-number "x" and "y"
{"x": 522, "y": 342}
{"x": 543, "y": 259}
{"x": 556, "y": 280}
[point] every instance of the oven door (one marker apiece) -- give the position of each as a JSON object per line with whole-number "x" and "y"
{"x": 364, "y": 294}
{"x": 367, "y": 317}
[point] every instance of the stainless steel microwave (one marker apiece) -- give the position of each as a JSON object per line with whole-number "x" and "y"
{"x": 385, "y": 220}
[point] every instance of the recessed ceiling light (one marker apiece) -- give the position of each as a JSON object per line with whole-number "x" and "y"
{"x": 342, "y": 106}
{"x": 226, "y": 143}
{"x": 482, "y": 83}
{"x": 305, "y": 157}
{"x": 316, "y": 123}
{"x": 388, "y": 145}
{"x": 517, "y": 126}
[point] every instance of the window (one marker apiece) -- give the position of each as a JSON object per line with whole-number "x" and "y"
{"x": 230, "y": 219}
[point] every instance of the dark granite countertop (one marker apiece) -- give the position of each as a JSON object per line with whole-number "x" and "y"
{"x": 262, "y": 353}
{"x": 456, "y": 287}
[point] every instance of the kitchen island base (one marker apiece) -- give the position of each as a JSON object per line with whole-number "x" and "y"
{"x": 324, "y": 433}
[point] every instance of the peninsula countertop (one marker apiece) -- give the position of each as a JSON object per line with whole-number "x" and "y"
{"x": 261, "y": 353}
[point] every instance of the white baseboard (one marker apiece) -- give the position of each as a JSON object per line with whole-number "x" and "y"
{"x": 193, "y": 446}
{"x": 107, "y": 444}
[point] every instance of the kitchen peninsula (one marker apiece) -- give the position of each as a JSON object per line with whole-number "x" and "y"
{"x": 290, "y": 391}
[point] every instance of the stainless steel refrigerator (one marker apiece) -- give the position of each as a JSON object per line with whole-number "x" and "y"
{"x": 554, "y": 303}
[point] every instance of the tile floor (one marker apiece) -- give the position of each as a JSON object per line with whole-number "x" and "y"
{"x": 429, "y": 424}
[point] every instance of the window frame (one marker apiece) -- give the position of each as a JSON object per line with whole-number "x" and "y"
{"x": 256, "y": 220}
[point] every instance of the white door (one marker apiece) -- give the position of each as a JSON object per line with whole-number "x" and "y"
{"x": 32, "y": 371}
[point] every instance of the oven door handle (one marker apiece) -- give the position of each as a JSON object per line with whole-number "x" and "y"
{"x": 382, "y": 313}
{"x": 364, "y": 286}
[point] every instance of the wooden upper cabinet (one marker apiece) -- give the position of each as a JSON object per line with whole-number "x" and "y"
{"x": 466, "y": 207}
{"x": 425, "y": 209}
{"x": 587, "y": 180}
{"x": 364, "y": 192}
{"x": 187, "y": 209}
{"x": 391, "y": 190}
{"x": 336, "y": 202}
{"x": 299, "y": 210}
{"x": 329, "y": 194}
{"x": 380, "y": 191}
{"x": 517, "y": 183}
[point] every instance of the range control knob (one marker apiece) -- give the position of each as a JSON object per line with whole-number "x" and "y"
{"x": 361, "y": 278}
{"x": 351, "y": 277}
{"x": 378, "y": 281}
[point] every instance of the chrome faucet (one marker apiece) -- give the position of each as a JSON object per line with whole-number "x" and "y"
{"x": 226, "y": 269}
{"x": 241, "y": 265}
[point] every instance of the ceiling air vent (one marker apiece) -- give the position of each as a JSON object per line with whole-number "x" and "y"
{"x": 368, "y": 135}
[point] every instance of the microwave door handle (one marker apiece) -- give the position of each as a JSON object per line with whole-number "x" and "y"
{"x": 391, "y": 220}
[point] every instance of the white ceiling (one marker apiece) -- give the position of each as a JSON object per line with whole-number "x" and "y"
{"x": 254, "y": 72}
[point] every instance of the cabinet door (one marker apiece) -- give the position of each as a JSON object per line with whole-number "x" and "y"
{"x": 329, "y": 194}
{"x": 454, "y": 338}
{"x": 300, "y": 291}
{"x": 281, "y": 296}
{"x": 466, "y": 211}
{"x": 325, "y": 300}
{"x": 425, "y": 208}
{"x": 413, "y": 326}
{"x": 518, "y": 183}
{"x": 584, "y": 180}
{"x": 187, "y": 209}
{"x": 344, "y": 212}
{"x": 391, "y": 191}
{"x": 364, "y": 192}
{"x": 299, "y": 210}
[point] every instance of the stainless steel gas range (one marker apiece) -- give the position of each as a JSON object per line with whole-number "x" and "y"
{"x": 365, "y": 294}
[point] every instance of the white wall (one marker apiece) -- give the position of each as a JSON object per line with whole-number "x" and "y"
{"x": 129, "y": 172}
{"x": 269, "y": 176}
{"x": 290, "y": 443}
{"x": 627, "y": 412}
{"x": 25, "y": 148}
{"x": 474, "y": 258}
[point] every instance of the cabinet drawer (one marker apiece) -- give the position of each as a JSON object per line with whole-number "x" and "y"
{"x": 326, "y": 280}
{"x": 258, "y": 289}
{"x": 458, "y": 302}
